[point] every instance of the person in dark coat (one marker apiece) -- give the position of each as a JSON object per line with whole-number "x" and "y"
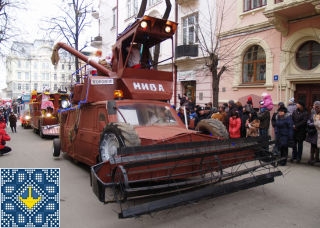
{"x": 300, "y": 117}
{"x": 247, "y": 109}
{"x": 201, "y": 114}
{"x": 312, "y": 137}
{"x": 13, "y": 122}
{"x": 273, "y": 118}
{"x": 283, "y": 128}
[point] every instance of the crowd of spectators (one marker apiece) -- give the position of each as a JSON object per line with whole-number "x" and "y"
{"x": 292, "y": 125}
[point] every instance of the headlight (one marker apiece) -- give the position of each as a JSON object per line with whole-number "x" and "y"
{"x": 27, "y": 117}
{"x": 144, "y": 24}
{"x": 168, "y": 29}
{"x": 48, "y": 114}
{"x": 65, "y": 103}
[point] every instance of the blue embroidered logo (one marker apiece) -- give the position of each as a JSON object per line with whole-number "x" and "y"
{"x": 30, "y": 198}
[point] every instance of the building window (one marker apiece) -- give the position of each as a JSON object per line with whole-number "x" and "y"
{"x": 308, "y": 55}
{"x": 19, "y": 63}
{"x": 253, "y": 4}
{"x": 35, "y": 86}
{"x": 62, "y": 66}
{"x": 55, "y": 87}
{"x": 19, "y": 75}
{"x": 27, "y": 87}
{"x": 55, "y": 77}
{"x": 63, "y": 77}
{"x": 114, "y": 17}
{"x": 19, "y": 86}
{"x": 132, "y": 7}
{"x": 35, "y": 76}
{"x": 190, "y": 29}
{"x": 26, "y": 76}
{"x": 254, "y": 65}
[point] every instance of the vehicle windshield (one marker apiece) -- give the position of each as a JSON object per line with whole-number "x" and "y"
{"x": 145, "y": 114}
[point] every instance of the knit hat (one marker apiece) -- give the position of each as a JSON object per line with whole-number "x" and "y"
{"x": 281, "y": 104}
{"x": 249, "y": 98}
{"x": 264, "y": 94}
{"x": 291, "y": 100}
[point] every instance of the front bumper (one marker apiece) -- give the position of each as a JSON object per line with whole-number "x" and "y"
{"x": 51, "y": 130}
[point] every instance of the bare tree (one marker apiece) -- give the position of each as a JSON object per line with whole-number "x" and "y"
{"x": 74, "y": 18}
{"x": 210, "y": 45}
{"x": 7, "y": 29}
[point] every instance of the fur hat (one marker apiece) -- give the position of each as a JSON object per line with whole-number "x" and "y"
{"x": 316, "y": 103}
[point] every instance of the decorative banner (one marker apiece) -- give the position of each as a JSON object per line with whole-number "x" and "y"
{"x": 30, "y": 198}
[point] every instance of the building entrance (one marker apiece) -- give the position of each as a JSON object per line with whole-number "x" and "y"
{"x": 308, "y": 93}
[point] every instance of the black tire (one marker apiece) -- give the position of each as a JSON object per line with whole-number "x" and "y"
{"x": 56, "y": 147}
{"x": 114, "y": 136}
{"x": 212, "y": 127}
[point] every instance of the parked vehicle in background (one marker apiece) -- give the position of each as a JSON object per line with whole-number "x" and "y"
{"x": 44, "y": 113}
{"x": 25, "y": 119}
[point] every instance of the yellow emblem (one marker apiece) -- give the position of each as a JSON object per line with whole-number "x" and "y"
{"x": 30, "y": 201}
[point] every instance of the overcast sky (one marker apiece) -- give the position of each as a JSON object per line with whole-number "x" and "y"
{"x": 31, "y": 17}
{"x": 28, "y": 21}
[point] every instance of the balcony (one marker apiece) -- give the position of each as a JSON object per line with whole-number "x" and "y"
{"x": 280, "y": 12}
{"x": 187, "y": 50}
{"x": 96, "y": 42}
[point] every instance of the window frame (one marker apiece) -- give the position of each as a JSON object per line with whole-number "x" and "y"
{"x": 310, "y": 54}
{"x": 186, "y": 27}
{"x": 253, "y": 4}
{"x": 257, "y": 64}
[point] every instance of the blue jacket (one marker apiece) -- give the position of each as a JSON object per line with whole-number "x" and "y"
{"x": 283, "y": 130}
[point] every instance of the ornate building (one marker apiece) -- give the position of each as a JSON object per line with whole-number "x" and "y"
{"x": 29, "y": 68}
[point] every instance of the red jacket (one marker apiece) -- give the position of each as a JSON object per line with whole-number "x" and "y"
{"x": 3, "y": 135}
{"x": 234, "y": 127}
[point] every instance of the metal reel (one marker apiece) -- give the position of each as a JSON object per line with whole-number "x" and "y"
{"x": 120, "y": 180}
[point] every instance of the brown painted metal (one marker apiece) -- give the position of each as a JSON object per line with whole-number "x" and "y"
{"x": 167, "y": 152}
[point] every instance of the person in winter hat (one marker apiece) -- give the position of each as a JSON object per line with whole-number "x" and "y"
{"x": 266, "y": 102}
{"x": 300, "y": 118}
{"x": 291, "y": 105}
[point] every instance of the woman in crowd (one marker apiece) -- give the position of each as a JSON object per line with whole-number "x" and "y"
{"x": 300, "y": 118}
{"x": 312, "y": 138}
{"x": 234, "y": 125}
{"x": 283, "y": 133}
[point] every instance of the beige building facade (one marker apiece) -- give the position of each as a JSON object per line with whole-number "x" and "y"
{"x": 29, "y": 68}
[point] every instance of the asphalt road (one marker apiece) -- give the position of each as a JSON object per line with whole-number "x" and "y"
{"x": 291, "y": 201}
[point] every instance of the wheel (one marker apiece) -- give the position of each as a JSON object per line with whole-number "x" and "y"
{"x": 120, "y": 180}
{"x": 213, "y": 127}
{"x": 114, "y": 136}
{"x": 56, "y": 147}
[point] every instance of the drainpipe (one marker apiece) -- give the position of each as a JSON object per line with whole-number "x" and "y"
{"x": 175, "y": 66}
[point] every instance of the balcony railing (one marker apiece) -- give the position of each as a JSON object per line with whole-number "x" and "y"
{"x": 187, "y": 50}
